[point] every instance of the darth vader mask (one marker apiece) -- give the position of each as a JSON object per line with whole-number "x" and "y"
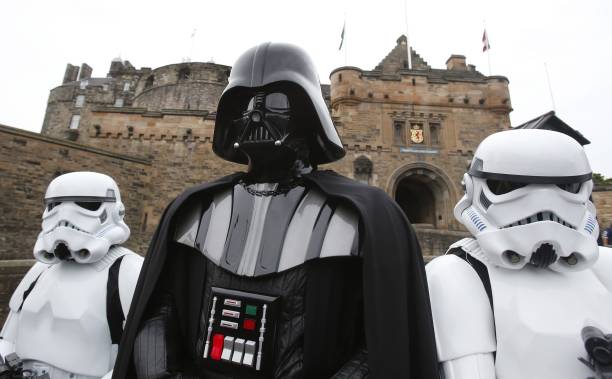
{"x": 265, "y": 124}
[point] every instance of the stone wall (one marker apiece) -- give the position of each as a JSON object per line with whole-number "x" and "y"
{"x": 28, "y": 162}
{"x": 194, "y": 86}
{"x": 602, "y": 197}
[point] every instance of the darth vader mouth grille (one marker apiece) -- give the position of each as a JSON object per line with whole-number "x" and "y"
{"x": 258, "y": 134}
{"x": 67, "y": 224}
{"x": 541, "y": 216}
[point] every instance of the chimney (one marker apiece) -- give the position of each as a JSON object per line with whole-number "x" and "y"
{"x": 85, "y": 71}
{"x": 456, "y": 62}
{"x": 71, "y": 74}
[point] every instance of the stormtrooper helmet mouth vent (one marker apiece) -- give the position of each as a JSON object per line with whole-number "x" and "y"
{"x": 544, "y": 256}
{"x": 540, "y": 216}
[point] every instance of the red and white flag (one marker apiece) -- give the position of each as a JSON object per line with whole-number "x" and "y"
{"x": 485, "y": 41}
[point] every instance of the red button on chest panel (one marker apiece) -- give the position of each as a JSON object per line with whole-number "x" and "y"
{"x": 248, "y": 324}
{"x": 217, "y": 347}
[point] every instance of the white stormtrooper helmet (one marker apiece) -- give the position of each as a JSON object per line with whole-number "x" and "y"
{"x": 83, "y": 218}
{"x": 527, "y": 201}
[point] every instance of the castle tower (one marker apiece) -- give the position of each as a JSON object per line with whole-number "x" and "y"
{"x": 413, "y": 132}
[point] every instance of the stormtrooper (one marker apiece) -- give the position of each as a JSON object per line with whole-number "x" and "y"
{"x": 284, "y": 271}
{"x": 524, "y": 296}
{"x": 66, "y": 316}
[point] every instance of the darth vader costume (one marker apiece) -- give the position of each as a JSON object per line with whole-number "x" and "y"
{"x": 283, "y": 271}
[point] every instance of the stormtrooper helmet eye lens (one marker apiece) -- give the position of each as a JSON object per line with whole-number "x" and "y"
{"x": 92, "y": 206}
{"x": 500, "y": 187}
{"x": 53, "y": 205}
{"x": 570, "y": 187}
{"x": 277, "y": 102}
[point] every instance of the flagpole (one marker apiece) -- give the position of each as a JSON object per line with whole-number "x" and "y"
{"x": 345, "y": 43}
{"x": 552, "y": 99}
{"x": 484, "y": 23}
{"x": 407, "y": 39}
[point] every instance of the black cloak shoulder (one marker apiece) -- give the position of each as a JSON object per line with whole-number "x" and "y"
{"x": 398, "y": 322}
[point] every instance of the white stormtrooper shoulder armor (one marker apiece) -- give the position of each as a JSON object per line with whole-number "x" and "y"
{"x": 462, "y": 314}
{"x": 26, "y": 285}
{"x": 603, "y": 267}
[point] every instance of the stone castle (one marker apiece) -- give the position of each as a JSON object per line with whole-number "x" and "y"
{"x": 411, "y": 132}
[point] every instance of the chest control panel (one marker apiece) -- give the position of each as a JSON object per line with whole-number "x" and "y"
{"x": 241, "y": 331}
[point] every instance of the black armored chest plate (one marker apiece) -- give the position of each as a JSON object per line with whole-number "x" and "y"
{"x": 241, "y": 332}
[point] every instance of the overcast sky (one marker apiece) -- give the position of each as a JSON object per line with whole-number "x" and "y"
{"x": 574, "y": 38}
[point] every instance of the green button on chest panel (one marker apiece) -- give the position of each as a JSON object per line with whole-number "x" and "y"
{"x": 251, "y": 310}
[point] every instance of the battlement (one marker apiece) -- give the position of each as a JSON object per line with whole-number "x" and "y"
{"x": 459, "y": 85}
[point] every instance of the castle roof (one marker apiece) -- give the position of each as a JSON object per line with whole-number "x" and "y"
{"x": 395, "y": 63}
{"x": 550, "y": 121}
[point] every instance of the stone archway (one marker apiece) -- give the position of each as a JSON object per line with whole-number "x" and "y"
{"x": 425, "y": 194}
{"x": 416, "y": 200}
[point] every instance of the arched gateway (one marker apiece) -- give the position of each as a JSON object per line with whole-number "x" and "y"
{"x": 425, "y": 194}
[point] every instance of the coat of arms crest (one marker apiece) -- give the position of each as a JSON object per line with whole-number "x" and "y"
{"x": 416, "y": 134}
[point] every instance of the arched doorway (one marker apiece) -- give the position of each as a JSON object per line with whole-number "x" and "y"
{"x": 425, "y": 194}
{"x": 416, "y": 200}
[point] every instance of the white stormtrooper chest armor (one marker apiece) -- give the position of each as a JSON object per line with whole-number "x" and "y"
{"x": 67, "y": 310}
{"x": 538, "y": 318}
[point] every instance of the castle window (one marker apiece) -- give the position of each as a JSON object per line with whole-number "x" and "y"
{"x": 126, "y": 86}
{"x": 83, "y": 84}
{"x": 149, "y": 82}
{"x": 398, "y": 132}
{"x": 339, "y": 77}
{"x": 184, "y": 73}
{"x": 74, "y": 121}
{"x": 363, "y": 169}
{"x": 80, "y": 100}
{"x": 434, "y": 133}
{"x": 119, "y": 102}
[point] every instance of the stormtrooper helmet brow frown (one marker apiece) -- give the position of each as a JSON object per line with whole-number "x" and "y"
{"x": 527, "y": 201}
{"x": 83, "y": 218}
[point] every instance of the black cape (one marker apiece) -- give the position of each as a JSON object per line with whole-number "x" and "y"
{"x": 397, "y": 316}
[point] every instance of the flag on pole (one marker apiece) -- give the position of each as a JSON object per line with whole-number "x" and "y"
{"x": 342, "y": 36}
{"x": 485, "y": 41}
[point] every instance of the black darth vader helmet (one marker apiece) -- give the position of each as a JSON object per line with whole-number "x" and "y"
{"x": 273, "y": 99}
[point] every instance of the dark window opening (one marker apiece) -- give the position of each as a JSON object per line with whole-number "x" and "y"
{"x": 149, "y": 82}
{"x": 184, "y": 73}
{"x": 434, "y": 132}
{"x": 363, "y": 168}
{"x": 398, "y": 132}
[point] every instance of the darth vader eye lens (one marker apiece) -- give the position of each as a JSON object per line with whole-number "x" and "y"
{"x": 278, "y": 102}
{"x": 53, "y": 205}
{"x": 570, "y": 187}
{"x": 92, "y": 206}
{"x": 500, "y": 187}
